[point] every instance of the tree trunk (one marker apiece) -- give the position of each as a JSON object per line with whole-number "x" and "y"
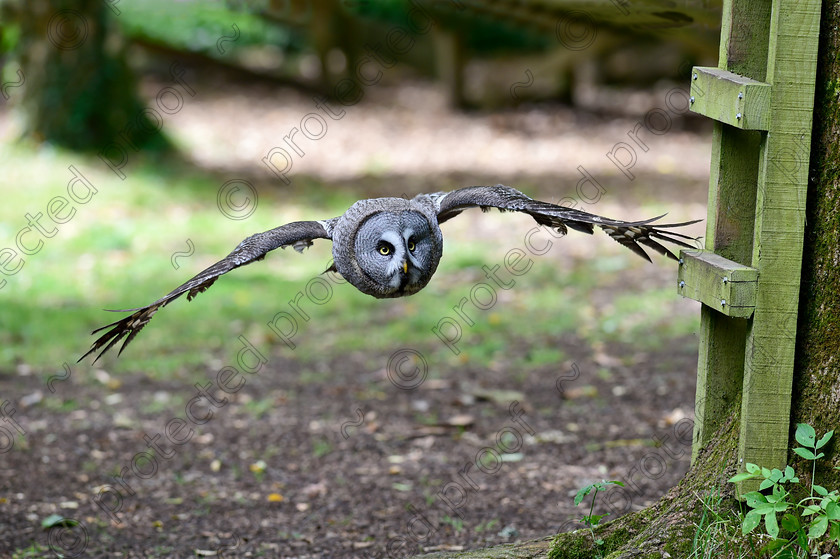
{"x": 80, "y": 93}
{"x": 667, "y": 528}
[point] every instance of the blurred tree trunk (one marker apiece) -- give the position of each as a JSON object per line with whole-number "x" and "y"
{"x": 79, "y": 92}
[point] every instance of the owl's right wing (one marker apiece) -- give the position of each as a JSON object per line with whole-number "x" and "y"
{"x": 298, "y": 235}
{"x": 631, "y": 234}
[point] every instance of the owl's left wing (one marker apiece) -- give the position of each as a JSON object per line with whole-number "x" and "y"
{"x": 298, "y": 235}
{"x": 631, "y": 234}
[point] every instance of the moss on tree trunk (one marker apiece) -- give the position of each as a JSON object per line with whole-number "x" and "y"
{"x": 816, "y": 389}
{"x": 667, "y": 528}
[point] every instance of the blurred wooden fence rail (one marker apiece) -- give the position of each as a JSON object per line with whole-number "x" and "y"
{"x": 440, "y": 30}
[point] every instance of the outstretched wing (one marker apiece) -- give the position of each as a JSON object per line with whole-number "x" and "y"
{"x": 631, "y": 234}
{"x": 298, "y": 235}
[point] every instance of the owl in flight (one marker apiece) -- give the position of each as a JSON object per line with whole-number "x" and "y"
{"x": 390, "y": 247}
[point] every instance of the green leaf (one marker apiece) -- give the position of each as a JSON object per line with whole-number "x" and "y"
{"x": 772, "y": 525}
{"x": 805, "y": 435}
{"x": 741, "y": 477}
{"x": 818, "y": 527}
{"x": 584, "y": 491}
{"x": 781, "y": 506}
{"x": 751, "y": 520}
{"x": 825, "y": 438}
{"x": 820, "y": 489}
{"x": 595, "y": 519}
{"x": 790, "y": 522}
{"x": 789, "y": 473}
{"x": 765, "y": 483}
{"x": 804, "y": 453}
{"x": 754, "y": 499}
{"x": 832, "y": 510}
{"x": 765, "y": 508}
{"x": 802, "y": 538}
{"x": 766, "y": 473}
{"x": 834, "y": 530}
{"x": 811, "y": 509}
{"x": 753, "y": 468}
{"x": 57, "y": 520}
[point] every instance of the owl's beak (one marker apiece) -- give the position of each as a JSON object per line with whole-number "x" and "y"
{"x": 405, "y": 266}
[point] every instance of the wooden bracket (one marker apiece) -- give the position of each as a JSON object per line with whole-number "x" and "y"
{"x": 719, "y": 283}
{"x": 730, "y": 98}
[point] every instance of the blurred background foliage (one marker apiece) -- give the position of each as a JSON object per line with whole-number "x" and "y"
{"x": 78, "y": 55}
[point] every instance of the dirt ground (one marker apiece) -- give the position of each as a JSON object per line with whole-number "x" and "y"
{"x": 385, "y": 484}
{"x": 346, "y": 467}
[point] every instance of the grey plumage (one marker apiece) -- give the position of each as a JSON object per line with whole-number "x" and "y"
{"x": 391, "y": 247}
{"x": 363, "y": 224}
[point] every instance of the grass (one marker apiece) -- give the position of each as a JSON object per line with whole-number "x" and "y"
{"x": 116, "y": 252}
{"x": 718, "y": 533}
{"x": 33, "y": 551}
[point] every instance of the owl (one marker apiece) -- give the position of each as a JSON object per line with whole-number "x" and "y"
{"x": 391, "y": 247}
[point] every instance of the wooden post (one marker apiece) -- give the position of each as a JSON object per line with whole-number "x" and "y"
{"x": 449, "y": 63}
{"x": 729, "y": 227}
{"x": 762, "y": 99}
{"x": 779, "y": 232}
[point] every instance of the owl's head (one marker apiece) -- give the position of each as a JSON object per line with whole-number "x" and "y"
{"x": 393, "y": 252}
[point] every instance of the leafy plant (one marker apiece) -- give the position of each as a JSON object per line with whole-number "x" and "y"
{"x": 591, "y": 521}
{"x": 718, "y": 532}
{"x": 456, "y": 523}
{"x": 486, "y": 526}
{"x": 809, "y": 519}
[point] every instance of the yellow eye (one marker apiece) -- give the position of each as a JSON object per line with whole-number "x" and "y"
{"x": 384, "y": 250}
{"x": 411, "y": 246}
